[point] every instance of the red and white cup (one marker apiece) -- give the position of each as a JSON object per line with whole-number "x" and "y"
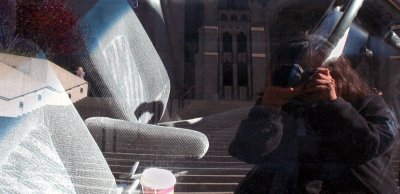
{"x": 157, "y": 181}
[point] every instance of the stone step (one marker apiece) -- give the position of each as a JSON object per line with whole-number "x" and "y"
{"x": 205, "y": 187}
{"x": 212, "y": 151}
{"x": 190, "y": 170}
{"x": 201, "y": 108}
{"x": 181, "y": 164}
{"x": 187, "y": 178}
{"x": 203, "y": 192}
{"x": 157, "y": 149}
{"x": 210, "y": 178}
{"x": 189, "y": 161}
{"x": 200, "y": 177}
{"x": 154, "y": 157}
{"x": 218, "y": 145}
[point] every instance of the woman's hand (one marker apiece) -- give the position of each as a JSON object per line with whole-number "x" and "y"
{"x": 275, "y": 96}
{"x": 321, "y": 87}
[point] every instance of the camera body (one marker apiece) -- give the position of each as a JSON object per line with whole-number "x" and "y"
{"x": 291, "y": 75}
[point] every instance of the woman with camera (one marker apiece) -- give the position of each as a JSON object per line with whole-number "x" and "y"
{"x": 330, "y": 134}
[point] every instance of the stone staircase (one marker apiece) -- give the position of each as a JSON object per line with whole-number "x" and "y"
{"x": 215, "y": 173}
{"x": 200, "y": 108}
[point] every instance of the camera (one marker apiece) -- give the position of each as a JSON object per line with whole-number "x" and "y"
{"x": 291, "y": 75}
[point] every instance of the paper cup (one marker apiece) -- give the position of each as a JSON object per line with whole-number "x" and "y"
{"x": 157, "y": 181}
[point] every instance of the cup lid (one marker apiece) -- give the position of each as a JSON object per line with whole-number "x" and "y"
{"x": 157, "y": 178}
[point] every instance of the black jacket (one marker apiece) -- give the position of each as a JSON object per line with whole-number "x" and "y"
{"x": 346, "y": 147}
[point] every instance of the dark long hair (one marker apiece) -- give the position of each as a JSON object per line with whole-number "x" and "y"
{"x": 350, "y": 85}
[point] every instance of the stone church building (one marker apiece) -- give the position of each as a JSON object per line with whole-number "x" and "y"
{"x": 222, "y": 49}
{"x": 237, "y": 42}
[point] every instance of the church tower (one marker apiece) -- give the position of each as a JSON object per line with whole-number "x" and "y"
{"x": 206, "y": 73}
{"x": 225, "y": 61}
{"x": 260, "y": 52}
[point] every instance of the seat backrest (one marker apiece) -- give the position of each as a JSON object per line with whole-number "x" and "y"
{"x": 49, "y": 149}
{"x": 122, "y": 63}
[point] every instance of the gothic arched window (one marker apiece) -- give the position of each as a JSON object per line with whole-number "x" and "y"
{"x": 234, "y": 18}
{"x": 227, "y": 73}
{"x": 223, "y": 17}
{"x": 242, "y": 74}
{"x": 242, "y": 43}
{"x": 244, "y": 18}
{"x": 226, "y": 42}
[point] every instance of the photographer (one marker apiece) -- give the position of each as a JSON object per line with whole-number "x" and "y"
{"x": 330, "y": 134}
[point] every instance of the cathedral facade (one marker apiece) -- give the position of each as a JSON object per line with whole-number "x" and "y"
{"x": 231, "y": 62}
{"x": 238, "y": 39}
